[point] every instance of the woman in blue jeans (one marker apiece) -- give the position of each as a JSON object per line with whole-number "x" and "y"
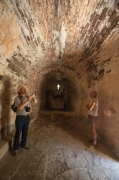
{"x": 23, "y": 104}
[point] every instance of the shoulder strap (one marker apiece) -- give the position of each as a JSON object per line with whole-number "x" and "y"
{"x": 20, "y": 99}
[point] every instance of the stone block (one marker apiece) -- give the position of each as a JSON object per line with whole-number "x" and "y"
{"x": 5, "y": 144}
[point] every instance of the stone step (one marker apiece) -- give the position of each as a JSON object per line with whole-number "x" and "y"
{"x": 66, "y": 113}
{"x": 6, "y": 144}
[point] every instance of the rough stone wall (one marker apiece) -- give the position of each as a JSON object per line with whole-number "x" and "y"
{"x": 79, "y": 38}
{"x": 108, "y": 91}
{"x": 73, "y": 33}
{"x": 108, "y": 117}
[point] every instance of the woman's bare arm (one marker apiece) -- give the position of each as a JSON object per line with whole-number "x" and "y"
{"x": 90, "y": 107}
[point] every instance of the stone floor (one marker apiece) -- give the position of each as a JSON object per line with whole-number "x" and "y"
{"x": 59, "y": 151}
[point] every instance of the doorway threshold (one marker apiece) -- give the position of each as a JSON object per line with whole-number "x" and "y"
{"x": 50, "y": 112}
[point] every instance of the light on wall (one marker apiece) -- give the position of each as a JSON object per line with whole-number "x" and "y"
{"x": 58, "y": 86}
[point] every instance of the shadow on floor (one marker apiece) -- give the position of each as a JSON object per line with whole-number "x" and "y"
{"x": 79, "y": 129}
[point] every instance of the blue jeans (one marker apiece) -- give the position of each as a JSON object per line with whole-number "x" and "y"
{"x": 21, "y": 125}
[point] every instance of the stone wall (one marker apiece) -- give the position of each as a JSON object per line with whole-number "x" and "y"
{"x": 79, "y": 34}
{"x": 108, "y": 119}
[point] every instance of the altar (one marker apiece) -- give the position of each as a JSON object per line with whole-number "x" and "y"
{"x": 57, "y": 103}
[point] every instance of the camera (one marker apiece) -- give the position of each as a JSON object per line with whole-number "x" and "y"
{"x": 27, "y": 109}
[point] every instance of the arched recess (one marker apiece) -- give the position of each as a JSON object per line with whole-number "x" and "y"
{"x": 39, "y": 73}
{"x": 45, "y": 84}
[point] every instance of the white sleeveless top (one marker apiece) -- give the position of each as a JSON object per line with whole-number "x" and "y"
{"x": 94, "y": 111}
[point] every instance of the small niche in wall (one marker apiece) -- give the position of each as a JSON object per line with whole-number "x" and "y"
{"x": 109, "y": 112}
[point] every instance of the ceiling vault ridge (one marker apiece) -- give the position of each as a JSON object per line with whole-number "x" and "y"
{"x": 62, "y": 68}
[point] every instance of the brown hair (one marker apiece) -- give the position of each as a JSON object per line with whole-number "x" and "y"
{"x": 94, "y": 93}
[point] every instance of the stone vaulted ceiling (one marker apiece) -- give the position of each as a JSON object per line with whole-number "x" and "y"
{"x": 75, "y": 35}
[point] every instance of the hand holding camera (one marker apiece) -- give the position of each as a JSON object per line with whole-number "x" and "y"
{"x": 31, "y": 96}
{"x": 27, "y": 108}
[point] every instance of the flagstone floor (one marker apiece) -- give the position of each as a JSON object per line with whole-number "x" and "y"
{"x": 59, "y": 151}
